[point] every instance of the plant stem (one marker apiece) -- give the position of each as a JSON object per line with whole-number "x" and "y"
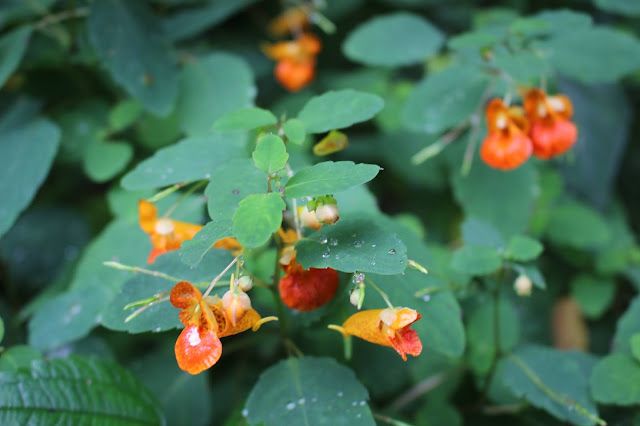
{"x": 438, "y": 146}
{"x": 390, "y": 420}
{"x": 56, "y": 18}
{"x": 219, "y": 276}
{"x": 138, "y": 270}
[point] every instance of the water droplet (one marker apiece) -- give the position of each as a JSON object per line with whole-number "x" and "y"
{"x": 326, "y": 254}
{"x": 373, "y": 245}
{"x": 235, "y": 191}
{"x": 340, "y": 394}
{"x": 301, "y": 401}
{"x": 333, "y": 242}
{"x": 314, "y": 399}
{"x": 373, "y": 263}
{"x": 362, "y": 403}
{"x": 290, "y": 406}
{"x": 354, "y": 403}
{"x": 392, "y": 251}
{"x": 426, "y": 297}
{"x": 357, "y": 243}
{"x": 245, "y": 413}
{"x": 323, "y": 239}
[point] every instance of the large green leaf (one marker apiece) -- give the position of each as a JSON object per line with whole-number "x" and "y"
{"x": 309, "y": 391}
{"x": 393, "y": 40}
{"x": 484, "y": 189}
{"x": 18, "y": 357}
{"x": 576, "y": 225}
{"x": 245, "y": 119}
{"x": 623, "y": 7}
{"x": 12, "y": 48}
{"x": 329, "y": 177}
{"x": 444, "y": 99}
{"x": 593, "y": 294}
{"x": 26, "y": 154}
{"x": 555, "y": 381}
{"x": 130, "y": 43}
{"x": 616, "y": 380}
{"x": 193, "y": 251}
{"x": 476, "y": 260}
{"x": 339, "y": 109}
{"x": 270, "y": 154}
{"x": 76, "y": 391}
{"x": 351, "y": 245}
{"x": 188, "y": 160}
{"x": 257, "y": 217}
{"x": 595, "y": 55}
{"x": 211, "y": 86}
{"x": 104, "y": 160}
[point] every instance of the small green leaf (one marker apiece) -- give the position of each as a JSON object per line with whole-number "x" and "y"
{"x": 329, "y": 177}
{"x": 12, "y": 48}
{"x": 473, "y": 40}
{"x": 257, "y": 217}
{"x": 124, "y": 114}
{"x": 594, "y": 295}
{"x": 18, "y": 358}
{"x": 522, "y": 248}
{"x": 319, "y": 390}
{"x": 476, "y": 260}
{"x": 628, "y": 325}
{"x": 623, "y": 7}
{"x": 578, "y": 226}
{"x": 105, "y": 159}
{"x": 396, "y": 39}
{"x": 339, "y": 109}
{"x": 136, "y": 54}
{"x": 295, "y": 131}
{"x": 75, "y": 390}
{"x": 245, "y": 119}
{"x": 354, "y": 245}
{"x": 634, "y": 343}
{"x": 193, "y": 251}
{"x": 616, "y": 380}
{"x": 270, "y": 154}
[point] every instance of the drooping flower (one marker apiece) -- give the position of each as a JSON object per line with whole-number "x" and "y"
{"x": 507, "y": 145}
{"x": 206, "y": 320}
{"x": 296, "y": 60}
{"x": 292, "y": 20}
{"x": 552, "y": 131}
{"x": 389, "y": 327}
{"x": 166, "y": 234}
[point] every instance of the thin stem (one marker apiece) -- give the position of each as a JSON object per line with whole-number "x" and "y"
{"x": 165, "y": 192}
{"x": 467, "y": 161}
{"x": 390, "y": 420}
{"x": 384, "y": 295}
{"x": 438, "y": 146}
{"x": 219, "y": 276}
{"x": 188, "y": 192}
{"x": 144, "y": 308}
{"x": 294, "y": 205}
{"x": 56, "y": 18}
{"x": 138, "y": 270}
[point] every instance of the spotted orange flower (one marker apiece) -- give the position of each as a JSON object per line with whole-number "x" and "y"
{"x": 165, "y": 234}
{"x": 296, "y": 60}
{"x": 506, "y": 145}
{"x": 206, "y": 320}
{"x": 552, "y": 131}
{"x": 387, "y": 327}
{"x": 292, "y": 20}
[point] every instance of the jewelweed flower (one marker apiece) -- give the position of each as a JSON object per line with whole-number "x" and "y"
{"x": 389, "y": 327}
{"x": 507, "y": 145}
{"x": 296, "y": 60}
{"x": 292, "y": 20}
{"x": 165, "y": 234}
{"x": 206, "y": 321}
{"x": 552, "y": 131}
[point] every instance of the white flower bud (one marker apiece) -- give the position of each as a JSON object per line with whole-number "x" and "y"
{"x": 245, "y": 283}
{"x": 354, "y": 297}
{"x": 327, "y": 213}
{"x": 523, "y": 285}
{"x": 308, "y": 218}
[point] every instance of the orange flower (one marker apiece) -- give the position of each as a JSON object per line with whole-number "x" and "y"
{"x": 296, "y": 60}
{"x": 294, "y": 19}
{"x": 506, "y": 145}
{"x": 165, "y": 234}
{"x": 387, "y": 327}
{"x": 306, "y": 290}
{"x": 206, "y": 320}
{"x": 552, "y": 131}
{"x": 294, "y": 75}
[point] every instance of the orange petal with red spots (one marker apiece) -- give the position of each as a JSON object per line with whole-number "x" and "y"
{"x": 244, "y": 323}
{"x": 197, "y": 350}
{"x": 184, "y": 295}
{"x": 228, "y": 243}
{"x": 406, "y": 341}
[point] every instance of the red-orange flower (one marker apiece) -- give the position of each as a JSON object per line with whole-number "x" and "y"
{"x": 292, "y": 20}
{"x": 296, "y": 60}
{"x": 387, "y": 327}
{"x": 552, "y": 131}
{"x": 165, "y": 234}
{"x": 506, "y": 145}
{"x": 206, "y": 320}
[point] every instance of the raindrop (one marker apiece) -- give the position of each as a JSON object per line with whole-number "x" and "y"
{"x": 245, "y": 413}
{"x": 357, "y": 243}
{"x": 290, "y": 406}
{"x": 323, "y": 239}
{"x": 301, "y": 401}
{"x": 333, "y": 242}
{"x": 426, "y": 297}
{"x": 340, "y": 394}
{"x": 392, "y": 251}
{"x": 362, "y": 403}
{"x": 373, "y": 245}
{"x": 373, "y": 263}
{"x": 354, "y": 403}
{"x": 326, "y": 254}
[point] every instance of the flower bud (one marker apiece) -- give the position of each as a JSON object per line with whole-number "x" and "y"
{"x": 245, "y": 283}
{"x": 327, "y": 213}
{"x": 357, "y": 296}
{"x": 235, "y": 304}
{"x": 522, "y": 285}
{"x": 308, "y": 218}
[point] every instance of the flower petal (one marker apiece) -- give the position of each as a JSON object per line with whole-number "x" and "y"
{"x": 244, "y": 323}
{"x": 147, "y": 216}
{"x": 184, "y": 295}
{"x": 406, "y": 341}
{"x": 367, "y": 326}
{"x": 197, "y": 350}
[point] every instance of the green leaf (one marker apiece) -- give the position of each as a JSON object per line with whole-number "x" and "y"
{"x": 295, "y": 131}
{"x": 329, "y": 177}
{"x": 481, "y": 331}
{"x": 188, "y": 160}
{"x": 480, "y": 233}
{"x": 1, "y": 329}
{"x": 531, "y": 272}
{"x": 594, "y": 295}
{"x": 245, "y": 119}
{"x": 576, "y": 225}
{"x": 634, "y": 343}
{"x": 552, "y": 380}
{"x": 623, "y": 7}
{"x": 135, "y": 52}
{"x": 522, "y": 248}
{"x": 444, "y": 99}
{"x": 26, "y": 154}
{"x": 103, "y": 160}
{"x": 210, "y": 87}
{"x": 628, "y": 325}
{"x": 395, "y": 39}
{"x": 564, "y": 20}
{"x": 75, "y": 390}
{"x": 193, "y": 251}
{"x": 230, "y": 183}
{"x": 124, "y": 114}
{"x": 594, "y": 55}
{"x": 615, "y": 380}
{"x": 338, "y": 109}
{"x": 318, "y": 390}
{"x": 484, "y": 188}
{"x": 12, "y": 48}
{"x": 350, "y": 245}
{"x": 257, "y": 217}
{"x": 476, "y": 260}
{"x": 270, "y": 154}
{"x": 473, "y": 40}
{"x": 18, "y": 358}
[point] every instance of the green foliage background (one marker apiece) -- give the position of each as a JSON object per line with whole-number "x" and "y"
{"x": 106, "y": 102}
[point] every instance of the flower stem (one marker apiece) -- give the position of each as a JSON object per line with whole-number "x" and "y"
{"x": 138, "y": 270}
{"x": 219, "y": 276}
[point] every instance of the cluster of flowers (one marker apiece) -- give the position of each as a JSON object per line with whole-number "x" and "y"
{"x": 542, "y": 127}
{"x": 296, "y": 59}
{"x": 207, "y": 319}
